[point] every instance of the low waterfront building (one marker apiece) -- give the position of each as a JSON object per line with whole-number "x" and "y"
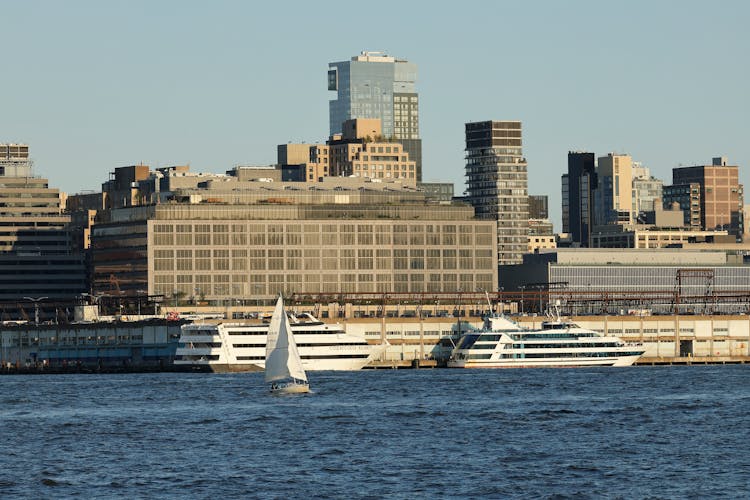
{"x": 101, "y": 345}
{"x": 660, "y": 280}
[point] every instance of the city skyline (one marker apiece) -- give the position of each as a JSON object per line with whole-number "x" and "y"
{"x": 188, "y": 84}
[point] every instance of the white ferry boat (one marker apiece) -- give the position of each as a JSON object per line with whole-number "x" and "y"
{"x": 503, "y": 343}
{"x": 239, "y": 347}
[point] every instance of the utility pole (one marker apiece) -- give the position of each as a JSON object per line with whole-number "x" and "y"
{"x": 36, "y": 307}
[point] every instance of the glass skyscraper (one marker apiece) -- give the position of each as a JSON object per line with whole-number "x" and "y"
{"x": 374, "y": 85}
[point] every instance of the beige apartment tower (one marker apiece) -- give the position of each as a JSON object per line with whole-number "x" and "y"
{"x": 614, "y": 194}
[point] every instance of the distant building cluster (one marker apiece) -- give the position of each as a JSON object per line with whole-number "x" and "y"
{"x": 360, "y": 151}
{"x": 615, "y": 202}
{"x": 354, "y": 215}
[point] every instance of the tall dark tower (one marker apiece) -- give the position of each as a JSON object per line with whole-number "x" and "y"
{"x": 497, "y": 184}
{"x": 582, "y": 181}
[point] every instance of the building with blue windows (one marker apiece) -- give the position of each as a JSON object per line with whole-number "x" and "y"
{"x": 375, "y": 85}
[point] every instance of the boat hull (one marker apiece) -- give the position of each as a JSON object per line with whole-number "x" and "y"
{"x": 544, "y": 363}
{"x": 331, "y": 364}
{"x": 220, "y": 367}
{"x": 292, "y": 389}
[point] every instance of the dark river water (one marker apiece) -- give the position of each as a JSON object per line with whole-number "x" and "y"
{"x": 661, "y": 432}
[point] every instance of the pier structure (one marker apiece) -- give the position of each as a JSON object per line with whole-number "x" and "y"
{"x": 413, "y": 341}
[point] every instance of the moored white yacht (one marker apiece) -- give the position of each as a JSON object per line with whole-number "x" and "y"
{"x": 238, "y": 347}
{"x": 503, "y": 343}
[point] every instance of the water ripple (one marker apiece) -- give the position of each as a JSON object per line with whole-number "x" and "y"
{"x": 669, "y": 432}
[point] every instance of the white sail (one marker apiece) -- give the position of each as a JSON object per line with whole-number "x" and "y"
{"x": 282, "y": 358}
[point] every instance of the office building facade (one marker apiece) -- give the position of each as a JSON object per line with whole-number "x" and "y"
{"x": 226, "y": 239}
{"x": 37, "y": 261}
{"x": 221, "y": 253}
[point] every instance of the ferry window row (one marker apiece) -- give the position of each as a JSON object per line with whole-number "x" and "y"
{"x": 564, "y": 345}
{"x": 199, "y": 345}
{"x": 338, "y": 344}
{"x": 296, "y": 334}
{"x": 338, "y": 356}
{"x": 598, "y": 354}
{"x": 541, "y": 336}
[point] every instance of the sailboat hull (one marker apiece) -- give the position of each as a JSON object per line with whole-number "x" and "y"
{"x": 290, "y": 388}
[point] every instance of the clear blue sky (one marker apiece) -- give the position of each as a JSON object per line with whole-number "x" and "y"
{"x": 93, "y": 85}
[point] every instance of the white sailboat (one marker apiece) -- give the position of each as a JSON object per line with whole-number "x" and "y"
{"x": 283, "y": 365}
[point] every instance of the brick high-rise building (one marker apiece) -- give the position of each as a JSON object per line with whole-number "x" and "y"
{"x": 721, "y": 194}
